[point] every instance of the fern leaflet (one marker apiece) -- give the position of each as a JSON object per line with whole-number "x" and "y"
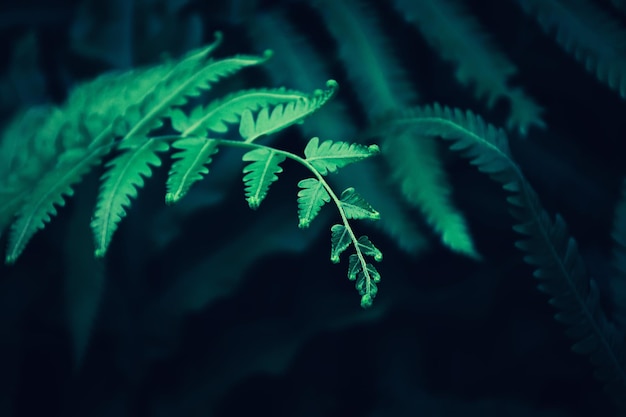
{"x": 330, "y": 156}
{"x": 191, "y": 163}
{"x": 261, "y": 173}
{"x": 340, "y": 241}
{"x": 106, "y": 114}
{"x": 546, "y": 242}
{"x": 189, "y": 166}
{"x": 311, "y": 198}
{"x": 356, "y": 207}
{"x": 120, "y": 183}
{"x": 283, "y": 115}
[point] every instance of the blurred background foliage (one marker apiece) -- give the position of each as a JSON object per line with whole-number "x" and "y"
{"x": 208, "y": 309}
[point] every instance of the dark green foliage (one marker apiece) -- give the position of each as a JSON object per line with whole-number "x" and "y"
{"x": 546, "y": 242}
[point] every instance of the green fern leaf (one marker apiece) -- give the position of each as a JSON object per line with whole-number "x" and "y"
{"x": 119, "y": 185}
{"x": 368, "y": 248}
{"x": 356, "y": 207}
{"x": 284, "y": 115}
{"x": 311, "y": 198}
{"x": 184, "y": 80}
{"x": 419, "y": 171}
{"x": 39, "y": 206}
{"x": 354, "y": 266}
{"x": 340, "y": 240}
{"x": 215, "y": 116}
{"x": 366, "y": 285}
{"x": 546, "y": 242}
{"x": 260, "y": 174}
{"x": 330, "y": 156}
{"x": 191, "y": 163}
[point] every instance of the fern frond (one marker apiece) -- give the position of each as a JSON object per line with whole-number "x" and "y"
{"x": 124, "y": 176}
{"x": 171, "y": 91}
{"x": 311, "y": 198}
{"x": 368, "y": 248}
{"x": 379, "y": 79}
{"x": 329, "y": 156}
{"x": 39, "y": 206}
{"x": 340, "y": 240}
{"x": 284, "y": 115}
{"x": 592, "y": 36}
{"x": 22, "y": 162}
{"x": 359, "y": 270}
{"x": 356, "y": 207}
{"x": 366, "y": 280}
{"x": 190, "y": 164}
{"x": 417, "y": 168}
{"x": 459, "y": 38}
{"x": 215, "y": 116}
{"x": 546, "y": 242}
{"x": 261, "y": 173}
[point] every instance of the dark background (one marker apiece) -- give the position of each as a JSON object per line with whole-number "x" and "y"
{"x": 210, "y": 309}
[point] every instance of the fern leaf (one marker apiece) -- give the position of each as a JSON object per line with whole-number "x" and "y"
{"x": 340, "y": 239}
{"x": 417, "y": 168}
{"x": 311, "y": 198}
{"x": 546, "y": 242}
{"x": 354, "y": 267}
{"x": 586, "y": 31}
{"x": 355, "y": 206}
{"x": 329, "y": 156}
{"x": 458, "y": 37}
{"x": 184, "y": 80}
{"x": 369, "y": 249}
{"x": 39, "y": 206}
{"x": 260, "y": 174}
{"x": 192, "y": 162}
{"x": 189, "y": 166}
{"x": 119, "y": 185}
{"x": 213, "y": 118}
{"x": 379, "y": 80}
{"x": 284, "y": 115}
{"x": 366, "y": 281}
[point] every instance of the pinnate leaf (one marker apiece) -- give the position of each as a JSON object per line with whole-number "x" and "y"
{"x": 369, "y": 249}
{"x": 329, "y": 156}
{"x": 284, "y": 114}
{"x": 356, "y": 207}
{"x": 190, "y": 164}
{"x": 311, "y": 198}
{"x": 340, "y": 240}
{"x": 260, "y": 174}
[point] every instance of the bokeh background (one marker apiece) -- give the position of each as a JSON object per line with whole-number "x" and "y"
{"x": 207, "y": 308}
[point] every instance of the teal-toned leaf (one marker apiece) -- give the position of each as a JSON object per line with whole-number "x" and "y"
{"x": 39, "y": 204}
{"x": 260, "y": 174}
{"x": 120, "y": 183}
{"x": 340, "y": 240}
{"x": 282, "y": 115}
{"x": 366, "y": 285}
{"x": 354, "y": 266}
{"x": 369, "y": 249}
{"x": 191, "y": 163}
{"x": 330, "y": 156}
{"x": 216, "y": 116}
{"x": 186, "y": 79}
{"x": 356, "y": 207}
{"x": 311, "y": 198}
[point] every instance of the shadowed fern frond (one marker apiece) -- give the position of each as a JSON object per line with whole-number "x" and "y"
{"x": 546, "y": 242}
{"x": 47, "y": 151}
